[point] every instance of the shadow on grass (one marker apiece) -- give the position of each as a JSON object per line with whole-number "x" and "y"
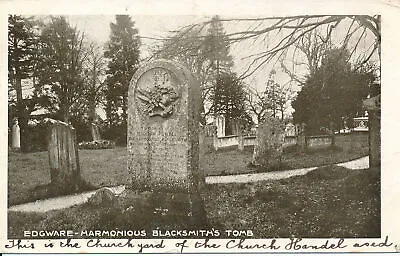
{"x": 132, "y": 211}
{"x": 328, "y": 202}
{"x": 52, "y": 190}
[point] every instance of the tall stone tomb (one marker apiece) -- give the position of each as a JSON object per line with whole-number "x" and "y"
{"x": 163, "y": 137}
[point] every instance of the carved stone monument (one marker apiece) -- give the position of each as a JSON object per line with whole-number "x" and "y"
{"x": 163, "y": 136}
{"x": 269, "y": 148}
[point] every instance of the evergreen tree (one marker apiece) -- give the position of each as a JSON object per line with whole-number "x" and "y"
{"x": 216, "y": 47}
{"x": 333, "y": 93}
{"x": 229, "y": 99}
{"x": 122, "y": 50}
{"x": 206, "y": 54}
{"x": 61, "y": 80}
{"x": 22, "y": 56}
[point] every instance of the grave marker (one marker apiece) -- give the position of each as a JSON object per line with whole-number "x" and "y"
{"x": 269, "y": 147}
{"x": 63, "y": 157}
{"x": 163, "y": 136}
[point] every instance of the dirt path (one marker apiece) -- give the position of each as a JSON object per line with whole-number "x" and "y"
{"x": 361, "y": 163}
{"x": 61, "y": 202}
{"x": 68, "y": 201}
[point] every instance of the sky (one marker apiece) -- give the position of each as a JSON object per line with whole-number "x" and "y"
{"x": 97, "y": 28}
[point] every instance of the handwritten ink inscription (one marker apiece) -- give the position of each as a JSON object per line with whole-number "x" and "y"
{"x": 209, "y": 245}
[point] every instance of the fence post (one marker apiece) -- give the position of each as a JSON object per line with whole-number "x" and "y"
{"x": 373, "y": 106}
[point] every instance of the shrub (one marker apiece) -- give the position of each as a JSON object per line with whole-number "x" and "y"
{"x": 97, "y": 144}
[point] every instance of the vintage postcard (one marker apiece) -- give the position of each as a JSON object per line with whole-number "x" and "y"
{"x": 197, "y": 127}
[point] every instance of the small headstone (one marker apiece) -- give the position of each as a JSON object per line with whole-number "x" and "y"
{"x": 163, "y": 136}
{"x": 16, "y": 136}
{"x": 220, "y": 124}
{"x": 269, "y": 146}
{"x": 63, "y": 157}
{"x": 95, "y": 132}
{"x": 301, "y": 138}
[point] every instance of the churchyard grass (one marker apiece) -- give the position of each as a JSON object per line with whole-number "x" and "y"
{"x": 28, "y": 173}
{"x": 329, "y": 202}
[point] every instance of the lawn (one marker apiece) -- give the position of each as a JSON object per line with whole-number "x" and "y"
{"x": 327, "y": 202}
{"x": 27, "y": 173}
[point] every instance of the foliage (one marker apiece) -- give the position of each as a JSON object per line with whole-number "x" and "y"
{"x": 229, "y": 100}
{"x": 272, "y": 102}
{"x": 22, "y": 39}
{"x": 122, "y": 50}
{"x": 61, "y": 80}
{"x": 97, "y": 144}
{"x": 22, "y": 59}
{"x": 216, "y": 47}
{"x": 334, "y": 92}
{"x": 205, "y": 53}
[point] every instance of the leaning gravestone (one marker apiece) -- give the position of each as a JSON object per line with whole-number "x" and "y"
{"x": 163, "y": 137}
{"x": 63, "y": 157}
{"x": 269, "y": 144}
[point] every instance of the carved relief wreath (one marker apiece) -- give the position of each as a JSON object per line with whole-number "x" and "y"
{"x": 159, "y": 99}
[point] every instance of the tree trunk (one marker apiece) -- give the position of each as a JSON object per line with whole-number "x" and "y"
{"x": 21, "y": 114}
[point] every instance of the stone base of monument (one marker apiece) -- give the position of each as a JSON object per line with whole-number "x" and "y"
{"x": 177, "y": 208}
{"x": 164, "y": 210}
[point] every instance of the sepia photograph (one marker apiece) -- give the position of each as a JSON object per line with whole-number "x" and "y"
{"x": 194, "y": 126}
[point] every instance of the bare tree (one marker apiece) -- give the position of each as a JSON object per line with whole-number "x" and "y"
{"x": 291, "y": 31}
{"x": 95, "y": 66}
{"x": 273, "y": 101}
{"x": 257, "y": 104}
{"x": 205, "y": 52}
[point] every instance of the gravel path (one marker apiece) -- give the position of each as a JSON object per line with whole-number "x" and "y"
{"x": 61, "y": 202}
{"x": 361, "y": 163}
{"x": 71, "y": 200}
